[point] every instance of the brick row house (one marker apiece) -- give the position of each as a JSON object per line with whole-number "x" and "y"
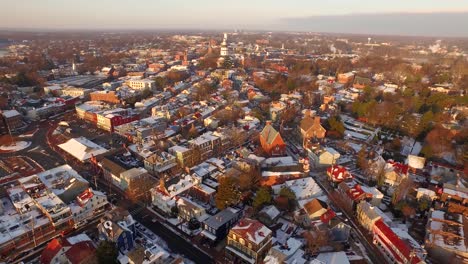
{"x": 248, "y": 242}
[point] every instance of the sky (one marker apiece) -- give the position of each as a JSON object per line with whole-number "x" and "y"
{"x": 405, "y": 17}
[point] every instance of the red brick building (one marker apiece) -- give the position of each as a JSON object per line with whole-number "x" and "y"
{"x": 248, "y": 242}
{"x": 105, "y": 96}
{"x": 12, "y": 119}
{"x": 271, "y": 141}
{"x": 75, "y": 250}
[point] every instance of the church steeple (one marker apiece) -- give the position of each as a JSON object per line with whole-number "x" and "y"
{"x": 224, "y": 48}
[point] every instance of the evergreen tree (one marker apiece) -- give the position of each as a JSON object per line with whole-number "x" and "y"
{"x": 263, "y": 197}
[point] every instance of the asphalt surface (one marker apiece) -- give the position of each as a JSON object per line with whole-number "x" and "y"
{"x": 176, "y": 243}
{"x": 39, "y": 150}
{"x": 372, "y": 252}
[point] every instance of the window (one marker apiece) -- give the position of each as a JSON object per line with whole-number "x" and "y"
{"x": 242, "y": 241}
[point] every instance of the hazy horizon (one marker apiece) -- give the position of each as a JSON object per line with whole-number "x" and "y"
{"x": 400, "y": 17}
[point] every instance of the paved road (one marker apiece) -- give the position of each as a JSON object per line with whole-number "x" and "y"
{"x": 39, "y": 150}
{"x": 372, "y": 251}
{"x": 140, "y": 213}
{"x": 176, "y": 243}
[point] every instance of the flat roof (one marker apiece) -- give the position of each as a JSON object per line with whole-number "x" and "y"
{"x": 82, "y": 149}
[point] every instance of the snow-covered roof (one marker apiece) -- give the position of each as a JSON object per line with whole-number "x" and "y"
{"x": 178, "y": 148}
{"x": 10, "y": 113}
{"x": 252, "y": 230}
{"x": 184, "y": 184}
{"x": 402, "y": 232}
{"x": 457, "y": 191}
{"x": 81, "y": 148}
{"x": 427, "y": 192}
{"x": 271, "y": 211}
{"x": 58, "y": 179}
{"x": 278, "y": 161}
{"x": 416, "y": 162}
{"x": 303, "y": 188}
{"x": 333, "y": 258}
{"x": 78, "y": 238}
{"x": 289, "y": 248}
{"x": 372, "y": 190}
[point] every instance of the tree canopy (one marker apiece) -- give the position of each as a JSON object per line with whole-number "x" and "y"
{"x": 107, "y": 252}
{"x": 262, "y": 197}
{"x": 228, "y": 193}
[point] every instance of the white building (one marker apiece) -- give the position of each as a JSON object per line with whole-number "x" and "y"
{"x": 82, "y": 149}
{"x": 160, "y": 162}
{"x": 224, "y": 47}
{"x": 324, "y": 157}
{"x": 142, "y": 84}
{"x": 163, "y": 198}
{"x": 73, "y": 190}
{"x": 88, "y": 205}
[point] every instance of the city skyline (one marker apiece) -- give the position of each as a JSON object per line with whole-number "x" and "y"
{"x": 419, "y": 18}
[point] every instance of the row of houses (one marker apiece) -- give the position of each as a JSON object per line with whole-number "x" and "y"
{"x": 40, "y": 207}
{"x": 104, "y": 117}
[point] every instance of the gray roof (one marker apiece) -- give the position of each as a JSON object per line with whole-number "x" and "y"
{"x": 221, "y": 218}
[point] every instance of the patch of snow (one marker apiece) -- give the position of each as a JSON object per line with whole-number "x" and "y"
{"x": 17, "y": 146}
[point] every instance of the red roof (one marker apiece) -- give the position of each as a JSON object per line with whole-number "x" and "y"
{"x": 387, "y": 234}
{"x": 339, "y": 173}
{"x": 398, "y": 167}
{"x": 76, "y": 253}
{"x": 80, "y": 252}
{"x": 329, "y": 215}
{"x": 51, "y": 250}
{"x": 356, "y": 192}
{"x": 248, "y": 228}
{"x": 83, "y": 198}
